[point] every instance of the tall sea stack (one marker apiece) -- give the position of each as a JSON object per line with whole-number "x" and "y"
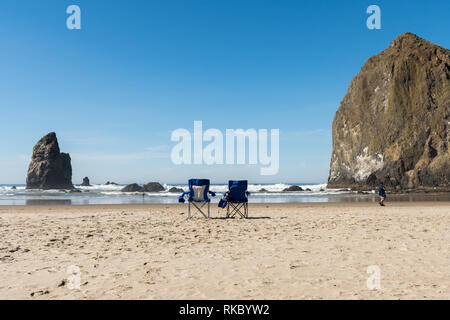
{"x": 394, "y": 122}
{"x": 49, "y": 168}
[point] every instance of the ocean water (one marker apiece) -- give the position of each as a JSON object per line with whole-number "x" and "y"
{"x": 112, "y": 194}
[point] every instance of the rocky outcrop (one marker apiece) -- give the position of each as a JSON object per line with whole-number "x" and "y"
{"x": 149, "y": 187}
{"x": 293, "y": 188}
{"x": 394, "y": 122}
{"x": 86, "y": 182}
{"x": 110, "y": 183}
{"x": 134, "y": 187}
{"x": 175, "y": 190}
{"x": 49, "y": 168}
{"x": 153, "y": 187}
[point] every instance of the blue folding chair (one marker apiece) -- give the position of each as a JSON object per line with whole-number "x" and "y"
{"x": 197, "y": 196}
{"x": 236, "y": 199}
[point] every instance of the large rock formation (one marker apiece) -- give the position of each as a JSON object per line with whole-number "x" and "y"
{"x": 394, "y": 122}
{"x": 49, "y": 168}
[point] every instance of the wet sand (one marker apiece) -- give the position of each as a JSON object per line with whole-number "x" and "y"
{"x": 285, "y": 251}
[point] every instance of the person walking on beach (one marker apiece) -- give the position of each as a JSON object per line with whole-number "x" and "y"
{"x": 382, "y": 193}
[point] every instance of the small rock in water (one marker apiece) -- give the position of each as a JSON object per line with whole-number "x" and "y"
{"x": 85, "y": 182}
{"x": 293, "y": 188}
{"x": 132, "y": 188}
{"x": 153, "y": 187}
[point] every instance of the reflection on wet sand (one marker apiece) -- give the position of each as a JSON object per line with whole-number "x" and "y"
{"x": 91, "y": 199}
{"x": 413, "y": 197}
{"x": 48, "y": 202}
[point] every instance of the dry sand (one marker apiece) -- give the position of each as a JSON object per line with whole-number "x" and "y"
{"x": 285, "y": 251}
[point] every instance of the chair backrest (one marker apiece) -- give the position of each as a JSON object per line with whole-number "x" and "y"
{"x": 198, "y": 189}
{"x": 237, "y": 191}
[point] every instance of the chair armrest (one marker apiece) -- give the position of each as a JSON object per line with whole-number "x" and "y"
{"x": 181, "y": 197}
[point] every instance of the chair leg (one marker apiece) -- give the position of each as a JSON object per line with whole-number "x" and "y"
{"x": 241, "y": 209}
{"x": 199, "y": 209}
{"x": 237, "y": 208}
{"x": 189, "y": 210}
{"x": 230, "y": 210}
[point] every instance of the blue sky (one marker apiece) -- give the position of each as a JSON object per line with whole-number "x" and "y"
{"x": 114, "y": 90}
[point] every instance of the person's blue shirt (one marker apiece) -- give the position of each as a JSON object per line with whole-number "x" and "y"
{"x": 382, "y": 191}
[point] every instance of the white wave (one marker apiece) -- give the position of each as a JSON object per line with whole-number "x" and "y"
{"x": 220, "y": 188}
{"x": 100, "y": 193}
{"x": 97, "y": 187}
{"x": 10, "y": 188}
{"x": 272, "y": 188}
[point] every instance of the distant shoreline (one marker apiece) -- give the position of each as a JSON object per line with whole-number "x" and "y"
{"x": 344, "y": 199}
{"x": 259, "y": 193}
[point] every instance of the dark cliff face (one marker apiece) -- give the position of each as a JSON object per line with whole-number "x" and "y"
{"x": 394, "y": 122}
{"x": 49, "y": 168}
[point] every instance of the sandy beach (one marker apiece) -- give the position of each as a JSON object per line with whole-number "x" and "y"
{"x": 285, "y": 251}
